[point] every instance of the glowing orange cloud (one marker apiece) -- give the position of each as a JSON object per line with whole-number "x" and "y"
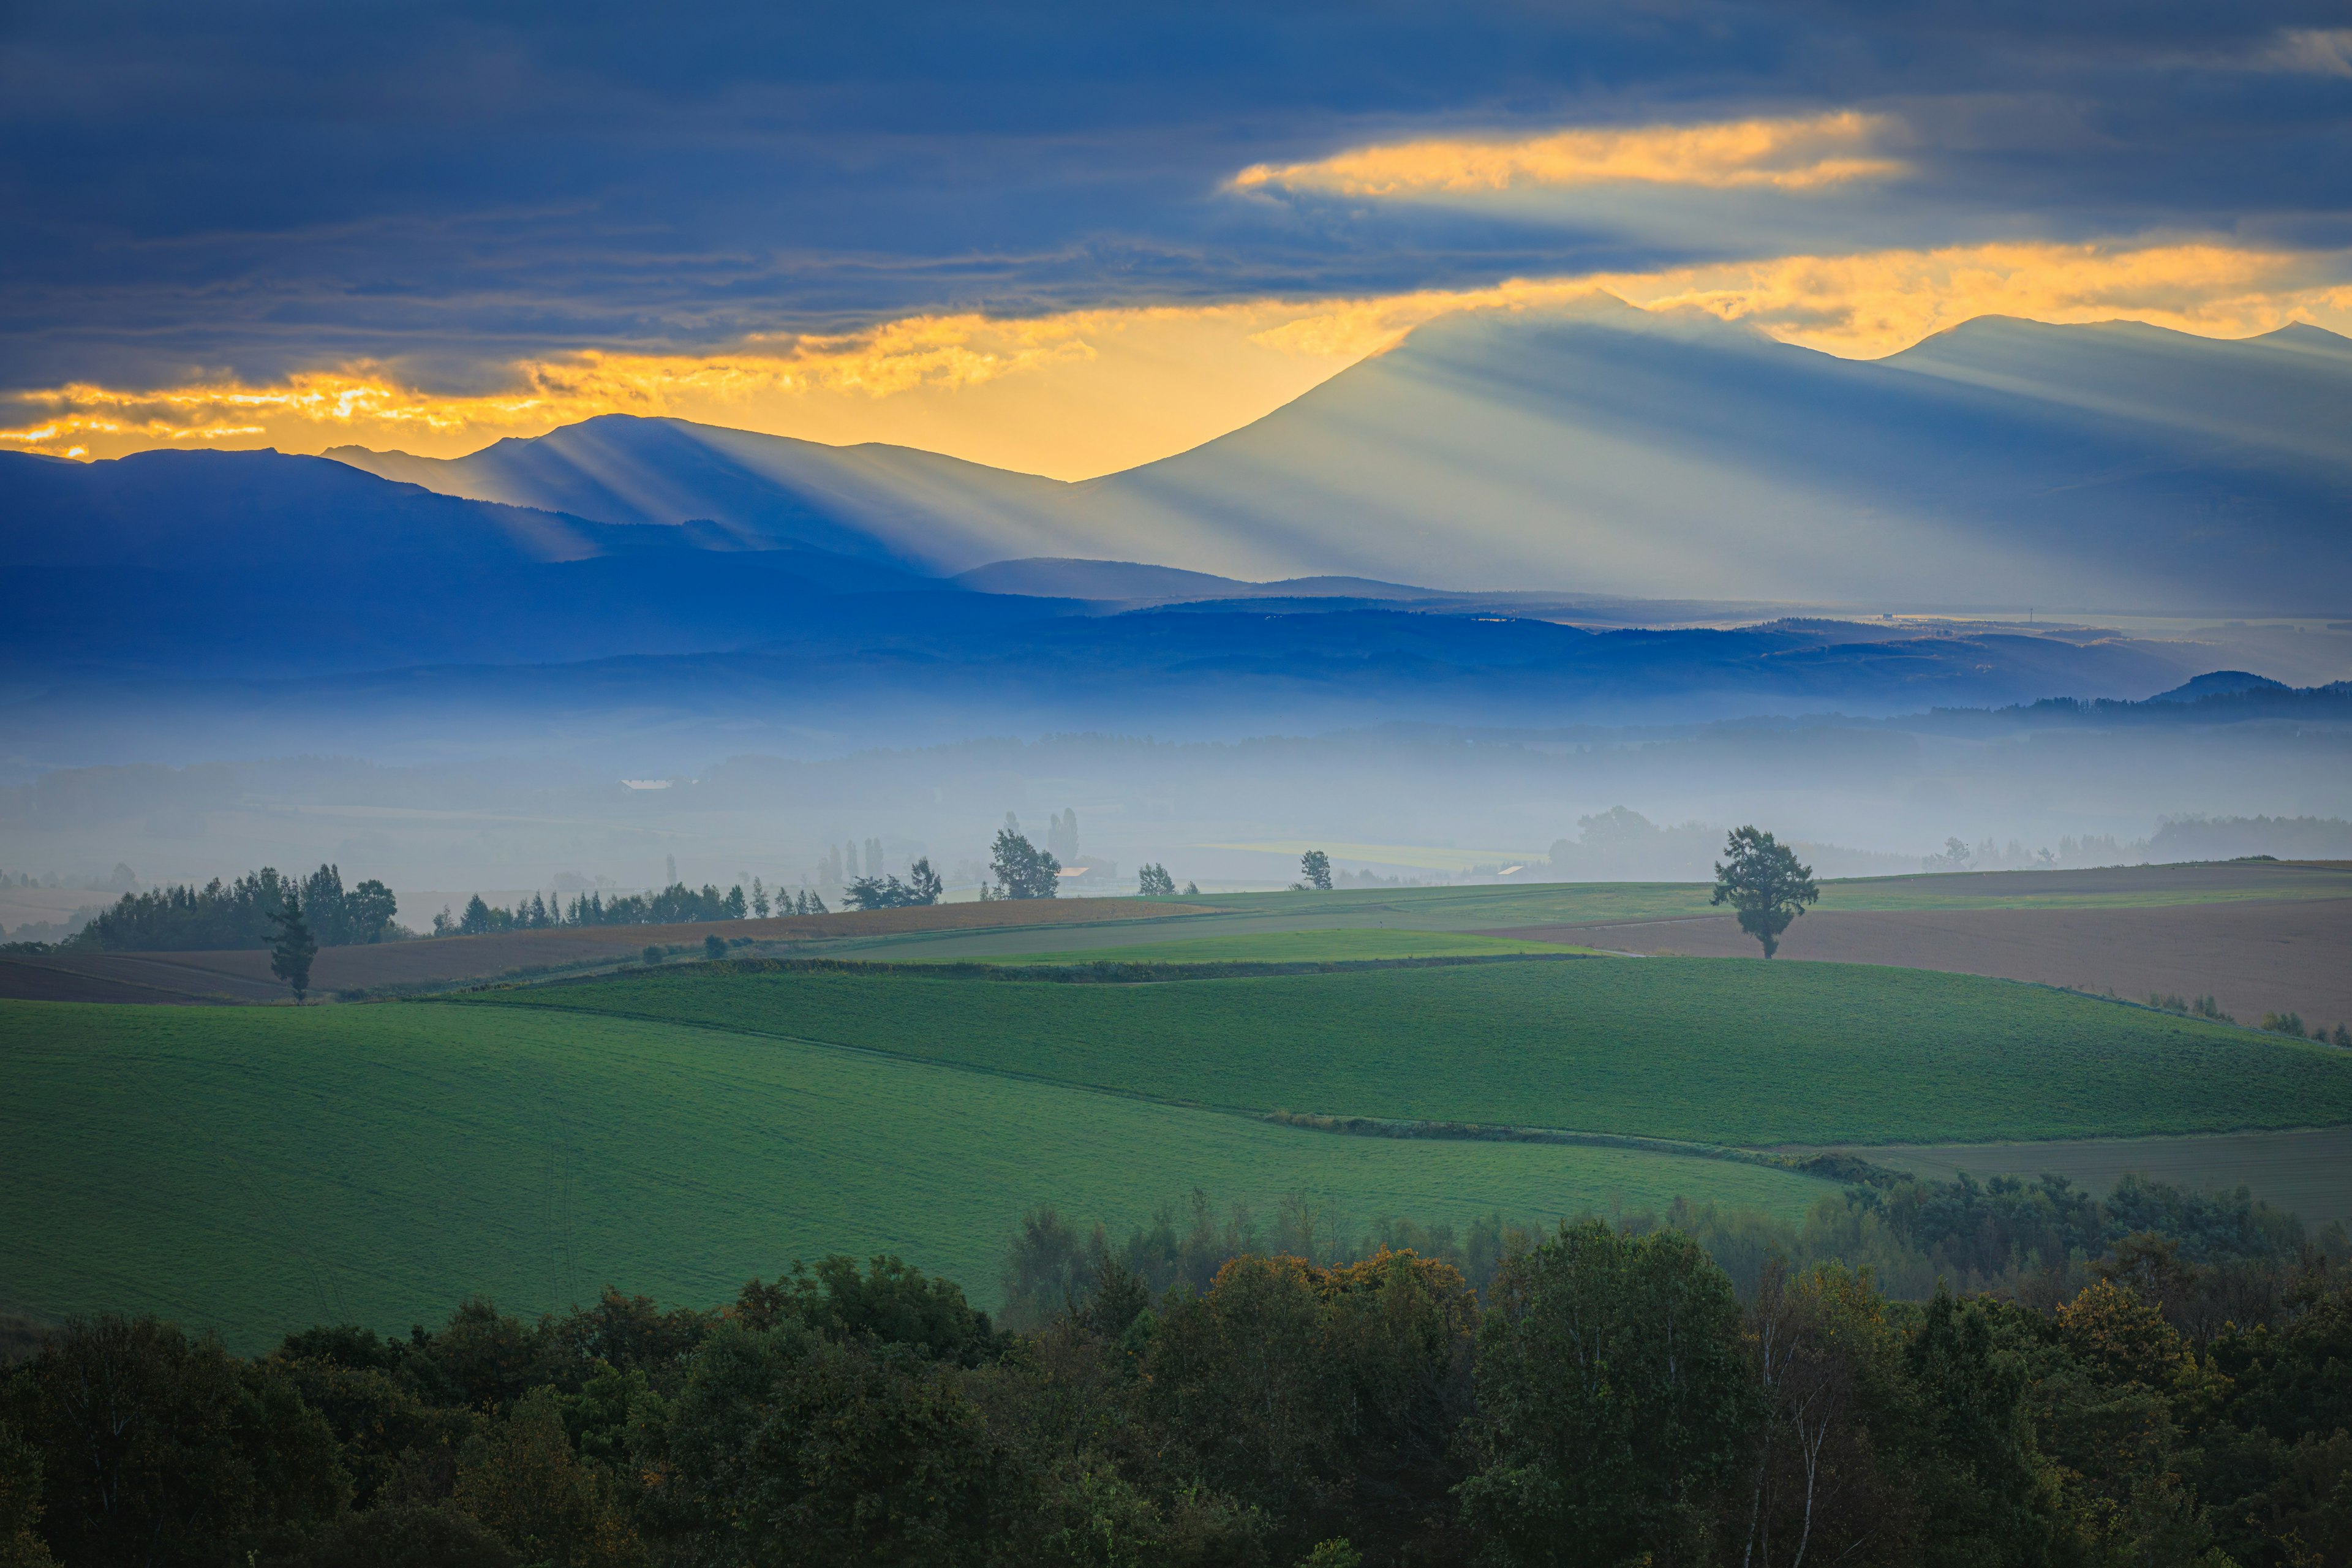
{"x": 1087, "y": 393}
{"x": 1869, "y": 305}
{"x": 1795, "y": 154}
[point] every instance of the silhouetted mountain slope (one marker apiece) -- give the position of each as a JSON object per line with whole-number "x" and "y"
{"x": 1612, "y": 450}
{"x": 919, "y": 668}
{"x": 256, "y": 561}
{"x": 914, "y": 509}
{"x": 1604, "y": 450}
{"x": 1128, "y": 580}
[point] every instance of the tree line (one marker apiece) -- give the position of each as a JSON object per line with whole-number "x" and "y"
{"x": 243, "y": 914}
{"x": 1610, "y": 1394}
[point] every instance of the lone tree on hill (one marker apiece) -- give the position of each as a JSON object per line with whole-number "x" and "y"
{"x": 289, "y": 960}
{"x": 1765, "y": 884}
{"x": 1315, "y": 870}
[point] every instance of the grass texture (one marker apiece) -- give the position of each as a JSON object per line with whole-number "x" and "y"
{"x": 256, "y": 1170}
{"x": 1714, "y": 1050}
{"x": 1337, "y": 946}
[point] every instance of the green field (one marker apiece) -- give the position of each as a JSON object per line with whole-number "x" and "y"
{"x": 1713, "y": 1050}
{"x": 1492, "y": 906}
{"x": 259, "y": 1169}
{"x": 1334, "y": 946}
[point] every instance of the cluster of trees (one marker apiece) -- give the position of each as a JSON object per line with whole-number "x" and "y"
{"x": 2228, "y": 837}
{"x": 677, "y": 904}
{"x": 921, "y": 887}
{"x": 2287, "y": 1023}
{"x": 2176, "y": 839}
{"x": 1609, "y": 1395}
{"x": 244, "y": 914}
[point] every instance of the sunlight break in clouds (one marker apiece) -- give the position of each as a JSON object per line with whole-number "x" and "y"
{"x": 1878, "y": 303}
{"x": 1092, "y": 391}
{"x": 1797, "y": 154}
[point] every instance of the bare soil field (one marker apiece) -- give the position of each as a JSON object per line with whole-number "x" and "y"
{"x": 2252, "y": 957}
{"x": 243, "y": 975}
{"x": 41, "y": 979}
{"x": 2189, "y": 883}
{"x": 2307, "y": 1171}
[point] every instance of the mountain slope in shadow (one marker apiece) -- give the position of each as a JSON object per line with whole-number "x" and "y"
{"x": 1607, "y": 449}
{"x": 892, "y": 504}
{"x": 1600, "y": 450}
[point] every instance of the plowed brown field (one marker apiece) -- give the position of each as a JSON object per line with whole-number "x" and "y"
{"x": 2252, "y": 957}
{"x": 244, "y": 976}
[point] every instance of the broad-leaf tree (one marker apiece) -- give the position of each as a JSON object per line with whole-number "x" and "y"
{"x": 1315, "y": 870}
{"x": 1614, "y": 1399}
{"x": 1021, "y": 869}
{"x": 1764, "y": 882}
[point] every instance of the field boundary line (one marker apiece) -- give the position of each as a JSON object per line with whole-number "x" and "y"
{"x": 1828, "y": 1164}
{"x": 1361, "y": 1126}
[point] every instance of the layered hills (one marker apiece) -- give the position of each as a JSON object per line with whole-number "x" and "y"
{"x": 1276, "y": 577}
{"x": 1608, "y": 450}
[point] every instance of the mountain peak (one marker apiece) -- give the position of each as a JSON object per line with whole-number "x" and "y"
{"x": 2219, "y": 683}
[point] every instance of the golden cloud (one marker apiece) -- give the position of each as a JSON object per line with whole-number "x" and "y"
{"x": 1085, "y": 392}
{"x": 1877, "y": 303}
{"x": 1792, "y": 154}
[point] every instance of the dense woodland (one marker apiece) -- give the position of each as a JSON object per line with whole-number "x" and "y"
{"x": 239, "y": 914}
{"x": 1600, "y": 1393}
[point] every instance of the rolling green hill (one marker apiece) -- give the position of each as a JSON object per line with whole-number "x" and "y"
{"x": 1341, "y": 945}
{"x": 258, "y": 1169}
{"x": 1714, "y": 1050}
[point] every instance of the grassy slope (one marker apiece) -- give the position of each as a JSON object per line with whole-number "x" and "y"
{"x": 1565, "y": 903}
{"x": 1336, "y": 946}
{"x": 1712, "y": 1049}
{"x": 258, "y": 1169}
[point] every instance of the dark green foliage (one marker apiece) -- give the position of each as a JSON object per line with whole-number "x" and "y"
{"x": 714, "y": 946}
{"x": 1985, "y": 1489}
{"x": 162, "y": 1450}
{"x": 787, "y": 1450}
{"x": 1021, "y": 869}
{"x": 522, "y": 1480}
{"x": 219, "y": 915}
{"x": 1610, "y": 1404}
{"x": 2283, "y": 1024}
{"x": 407, "y": 1535}
{"x": 346, "y": 918}
{"x": 1314, "y": 871}
{"x": 1152, "y": 881}
{"x": 239, "y": 915}
{"x": 889, "y": 1304}
{"x": 290, "y": 954}
{"x": 1327, "y": 1399}
{"x": 1762, "y": 881}
{"x": 921, "y": 887}
{"x": 677, "y": 904}
{"x": 1614, "y": 1397}
{"x": 21, "y": 1545}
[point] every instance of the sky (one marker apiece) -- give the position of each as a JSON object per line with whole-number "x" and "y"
{"x": 1070, "y": 238}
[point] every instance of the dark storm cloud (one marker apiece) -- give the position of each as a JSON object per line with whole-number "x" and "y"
{"x": 254, "y": 188}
